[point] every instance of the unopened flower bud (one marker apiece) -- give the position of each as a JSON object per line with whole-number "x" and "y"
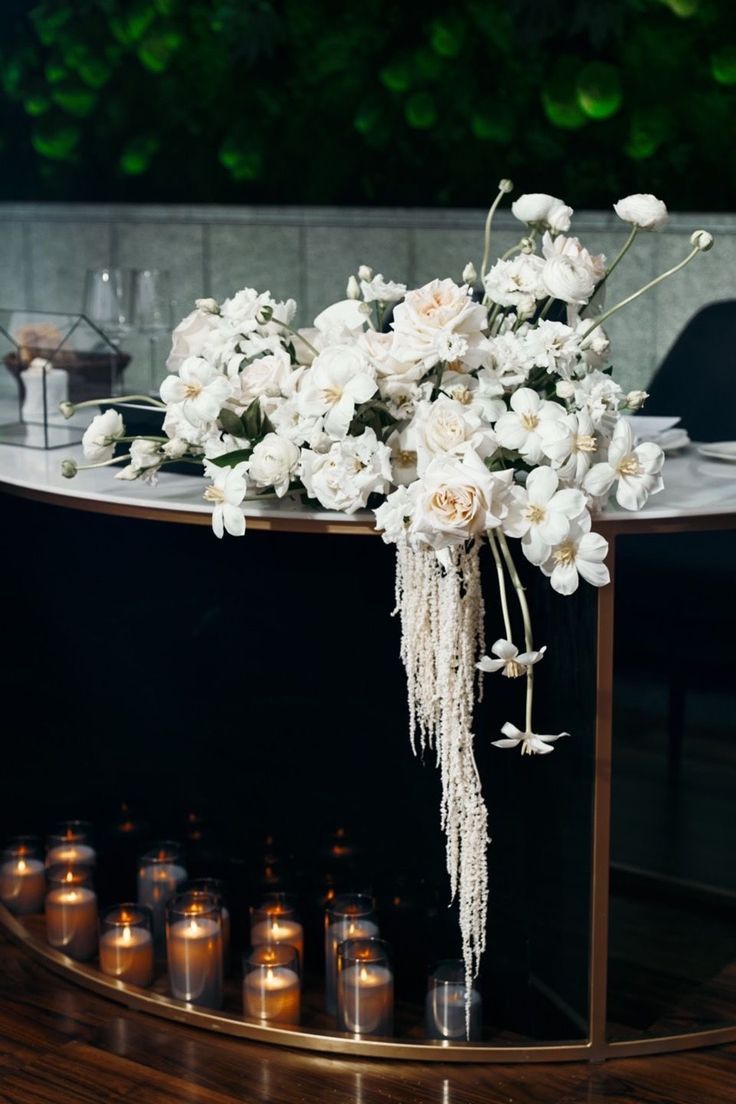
{"x": 564, "y": 389}
{"x": 365, "y": 272}
{"x": 636, "y": 399}
{"x": 66, "y": 408}
{"x": 209, "y": 306}
{"x": 68, "y": 468}
{"x": 505, "y": 186}
{"x": 265, "y": 315}
{"x": 702, "y": 240}
{"x": 353, "y": 289}
{"x": 469, "y": 273}
{"x": 526, "y": 245}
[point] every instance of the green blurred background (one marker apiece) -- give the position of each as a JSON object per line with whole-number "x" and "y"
{"x": 338, "y": 102}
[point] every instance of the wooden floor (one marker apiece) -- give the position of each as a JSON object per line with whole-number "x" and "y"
{"x": 63, "y": 1045}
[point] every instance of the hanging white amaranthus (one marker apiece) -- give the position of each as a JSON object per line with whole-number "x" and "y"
{"x": 473, "y": 416}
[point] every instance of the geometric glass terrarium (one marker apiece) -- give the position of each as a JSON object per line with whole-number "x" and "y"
{"x": 50, "y": 357}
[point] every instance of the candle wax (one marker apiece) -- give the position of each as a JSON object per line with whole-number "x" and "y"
{"x": 335, "y": 934}
{"x": 195, "y": 961}
{"x": 71, "y": 921}
{"x": 366, "y": 999}
{"x": 278, "y": 930}
{"x": 272, "y": 995}
{"x": 71, "y": 855}
{"x": 23, "y": 886}
{"x": 126, "y": 953}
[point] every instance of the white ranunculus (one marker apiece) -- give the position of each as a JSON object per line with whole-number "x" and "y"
{"x": 559, "y": 218}
{"x": 563, "y": 246}
{"x": 642, "y": 210}
{"x": 339, "y": 379}
{"x": 101, "y": 435}
{"x": 264, "y": 376}
{"x": 226, "y": 493}
{"x": 535, "y": 209}
{"x": 352, "y": 470}
{"x": 380, "y": 290}
{"x": 348, "y": 314}
{"x": 516, "y": 283}
{"x": 175, "y": 448}
{"x": 244, "y": 311}
{"x": 273, "y": 462}
{"x": 568, "y": 279}
{"x": 458, "y": 498}
{"x": 393, "y": 517}
{"x": 200, "y": 389}
{"x": 432, "y": 315}
{"x": 190, "y": 337}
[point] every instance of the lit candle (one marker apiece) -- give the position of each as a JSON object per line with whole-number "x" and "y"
{"x": 445, "y": 1005}
{"x": 70, "y": 846}
{"x": 71, "y": 915}
{"x": 213, "y": 887}
{"x": 22, "y": 881}
{"x": 275, "y": 921}
{"x": 126, "y": 946}
{"x": 365, "y": 996}
{"x": 347, "y": 917}
{"x": 272, "y": 995}
{"x": 160, "y": 876}
{"x": 195, "y": 960}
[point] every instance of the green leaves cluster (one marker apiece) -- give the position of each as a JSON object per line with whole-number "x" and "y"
{"x": 320, "y": 102}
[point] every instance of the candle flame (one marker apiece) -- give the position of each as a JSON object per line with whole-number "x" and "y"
{"x": 193, "y": 926}
{"x": 22, "y": 866}
{"x": 363, "y": 974}
{"x": 69, "y": 876}
{"x": 269, "y": 976}
{"x": 126, "y": 935}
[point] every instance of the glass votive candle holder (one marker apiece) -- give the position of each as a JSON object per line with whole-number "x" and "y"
{"x": 275, "y": 921}
{"x": 365, "y": 987}
{"x": 271, "y": 984}
{"x": 71, "y": 912}
{"x": 126, "y": 944}
{"x": 71, "y": 845}
{"x": 161, "y": 874}
{"x": 194, "y": 949}
{"x": 347, "y": 916}
{"x": 22, "y": 876}
{"x": 214, "y": 887}
{"x": 445, "y": 1015}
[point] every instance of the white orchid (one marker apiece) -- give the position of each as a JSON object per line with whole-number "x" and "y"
{"x": 199, "y": 388}
{"x": 635, "y": 470}
{"x": 339, "y": 379}
{"x": 531, "y": 742}
{"x": 510, "y": 661}
{"x": 580, "y": 553}
{"x": 227, "y": 492}
{"x": 541, "y": 514}
{"x": 101, "y": 436}
{"x": 520, "y": 427}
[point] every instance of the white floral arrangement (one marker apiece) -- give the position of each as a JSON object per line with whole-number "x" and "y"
{"x": 469, "y": 417}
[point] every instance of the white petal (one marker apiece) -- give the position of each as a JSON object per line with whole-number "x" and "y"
{"x": 490, "y": 665}
{"x": 506, "y": 743}
{"x": 234, "y": 520}
{"x": 600, "y": 479}
{"x": 510, "y": 729}
{"x": 594, "y": 573}
{"x": 593, "y": 547}
{"x": 217, "y": 521}
{"x": 622, "y": 443}
{"x": 539, "y": 747}
{"x": 554, "y": 528}
{"x": 631, "y": 493}
{"x": 535, "y": 547}
{"x": 564, "y": 579}
{"x": 569, "y": 501}
{"x": 525, "y": 401}
{"x": 172, "y": 390}
{"x": 541, "y": 485}
{"x": 527, "y": 659}
{"x": 505, "y": 649}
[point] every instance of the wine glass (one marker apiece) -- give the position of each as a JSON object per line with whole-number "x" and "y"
{"x": 107, "y": 301}
{"x": 152, "y": 313}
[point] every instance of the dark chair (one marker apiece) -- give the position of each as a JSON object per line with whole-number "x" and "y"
{"x": 697, "y": 377}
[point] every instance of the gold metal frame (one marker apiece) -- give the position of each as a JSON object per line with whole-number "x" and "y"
{"x": 596, "y": 1047}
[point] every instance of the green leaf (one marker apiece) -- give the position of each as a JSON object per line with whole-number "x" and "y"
{"x": 232, "y": 424}
{"x": 232, "y": 459}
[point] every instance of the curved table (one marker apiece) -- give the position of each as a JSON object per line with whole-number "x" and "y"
{"x": 699, "y": 494}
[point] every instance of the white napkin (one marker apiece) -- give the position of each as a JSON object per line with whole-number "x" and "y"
{"x": 663, "y": 431}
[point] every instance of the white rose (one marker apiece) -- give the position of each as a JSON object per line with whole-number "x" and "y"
{"x": 642, "y": 210}
{"x": 568, "y": 280}
{"x": 266, "y": 375}
{"x": 101, "y": 435}
{"x": 190, "y": 337}
{"x": 379, "y": 348}
{"x": 448, "y": 427}
{"x": 459, "y": 498}
{"x": 535, "y": 208}
{"x": 352, "y": 470}
{"x": 273, "y": 462}
{"x": 428, "y": 315}
{"x": 382, "y": 291}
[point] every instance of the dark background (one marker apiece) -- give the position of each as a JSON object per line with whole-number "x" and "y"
{"x": 339, "y": 101}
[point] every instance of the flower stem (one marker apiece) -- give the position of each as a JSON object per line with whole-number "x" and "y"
{"x": 104, "y": 463}
{"x": 528, "y": 640}
{"x": 622, "y": 253}
{"x": 286, "y": 326}
{"x": 119, "y": 399}
{"x": 630, "y": 298}
{"x": 546, "y": 308}
{"x": 140, "y": 437}
{"x": 487, "y": 232}
{"x": 493, "y": 541}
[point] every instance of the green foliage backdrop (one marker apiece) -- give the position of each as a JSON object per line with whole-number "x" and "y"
{"x": 379, "y": 102}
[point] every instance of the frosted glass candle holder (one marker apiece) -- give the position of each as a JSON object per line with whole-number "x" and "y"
{"x": 22, "y": 876}
{"x": 194, "y": 949}
{"x": 161, "y": 874}
{"x": 445, "y": 1005}
{"x": 348, "y": 916}
{"x": 276, "y": 921}
{"x": 71, "y": 912}
{"x": 215, "y": 887}
{"x": 365, "y": 988}
{"x": 271, "y": 985}
{"x": 126, "y": 944}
